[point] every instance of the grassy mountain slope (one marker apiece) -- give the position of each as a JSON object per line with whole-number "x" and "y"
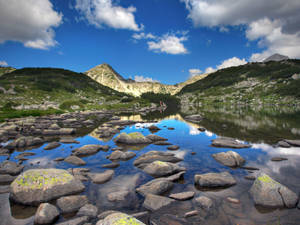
{"x": 104, "y": 74}
{"x": 4, "y": 70}
{"x": 271, "y": 82}
{"x": 47, "y": 89}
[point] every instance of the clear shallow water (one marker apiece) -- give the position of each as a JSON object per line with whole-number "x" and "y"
{"x": 187, "y": 136}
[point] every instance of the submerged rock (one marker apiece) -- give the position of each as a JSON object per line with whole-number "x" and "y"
{"x": 52, "y": 145}
{"x": 228, "y": 143}
{"x": 46, "y": 214}
{"x": 229, "y": 158}
{"x": 162, "y": 143}
{"x": 71, "y": 203}
{"x": 159, "y": 169}
{"x": 88, "y": 210}
{"x": 119, "y": 218}
{"x": 42, "y": 185}
{"x": 213, "y": 180}
{"x": 269, "y": 193}
{"x": 204, "y": 202}
{"x": 152, "y": 156}
{"x": 155, "y": 202}
{"x": 111, "y": 165}
{"x": 100, "y": 178}
{"x": 77, "y": 221}
{"x": 132, "y": 139}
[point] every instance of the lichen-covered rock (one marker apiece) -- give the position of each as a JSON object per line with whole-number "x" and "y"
{"x": 71, "y": 203}
{"x": 11, "y": 168}
{"x": 42, "y": 185}
{"x": 118, "y": 219}
{"x": 212, "y": 180}
{"x": 159, "y": 169}
{"x": 225, "y": 142}
{"x": 132, "y": 139}
{"x": 269, "y": 193}
{"x": 229, "y": 158}
{"x": 46, "y": 214}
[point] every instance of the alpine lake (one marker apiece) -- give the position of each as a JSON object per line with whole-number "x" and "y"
{"x": 262, "y": 129}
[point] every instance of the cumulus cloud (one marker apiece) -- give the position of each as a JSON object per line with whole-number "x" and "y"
{"x": 169, "y": 43}
{"x": 30, "y": 22}
{"x": 140, "y": 36}
{"x": 3, "y": 63}
{"x": 144, "y": 79}
{"x": 194, "y": 72}
{"x": 234, "y": 61}
{"x": 275, "y": 24}
{"x": 105, "y": 12}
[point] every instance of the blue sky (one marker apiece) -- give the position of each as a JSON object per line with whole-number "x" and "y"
{"x": 164, "y": 40}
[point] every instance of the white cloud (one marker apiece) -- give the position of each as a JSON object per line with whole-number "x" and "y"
{"x": 234, "y": 61}
{"x": 274, "y": 23}
{"x": 194, "y": 72}
{"x": 169, "y": 43}
{"x": 30, "y": 22}
{"x": 140, "y": 36}
{"x": 105, "y": 12}
{"x": 144, "y": 79}
{"x": 3, "y": 63}
{"x": 210, "y": 70}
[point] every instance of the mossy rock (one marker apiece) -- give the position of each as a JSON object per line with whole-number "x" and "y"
{"x": 42, "y": 185}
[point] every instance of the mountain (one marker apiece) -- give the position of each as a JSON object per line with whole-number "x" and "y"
{"x": 107, "y": 76}
{"x": 276, "y": 57}
{"x": 4, "y": 70}
{"x": 254, "y": 83}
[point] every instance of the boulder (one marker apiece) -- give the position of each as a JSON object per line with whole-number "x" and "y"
{"x": 152, "y": 156}
{"x": 100, "y": 178}
{"x": 156, "y": 186}
{"x": 228, "y": 143}
{"x": 89, "y": 150}
{"x": 42, "y": 185}
{"x": 214, "y": 180}
{"x": 183, "y": 195}
{"x": 155, "y": 138}
{"x": 229, "y": 158}
{"x": 284, "y": 144}
{"x": 269, "y": 193}
{"x": 119, "y": 218}
{"x": 71, "y": 203}
{"x": 119, "y": 155}
{"x": 68, "y": 141}
{"x": 156, "y": 202}
{"x": 52, "y": 145}
{"x": 11, "y": 168}
{"x": 46, "y": 214}
{"x": 153, "y": 128}
{"x": 75, "y": 160}
{"x": 160, "y": 169}
{"x": 23, "y": 142}
{"x": 173, "y": 147}
{"x": 132, "y": 139}
{"x": 88, "y": 210}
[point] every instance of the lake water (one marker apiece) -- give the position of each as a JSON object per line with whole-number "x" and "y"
{"x": 261, "y": 128}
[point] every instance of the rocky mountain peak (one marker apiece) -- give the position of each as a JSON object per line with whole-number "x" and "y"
{"x": 276, "y": 57}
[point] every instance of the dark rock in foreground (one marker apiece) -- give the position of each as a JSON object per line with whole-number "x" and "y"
{"x": 46, "y": 214}
{"x": 230, "y": 158}
{"x": 214, "y": 180}
{"x": 42, "y": 185}
{"x": 269, "y": 193}
{"x": 228, "y": 143}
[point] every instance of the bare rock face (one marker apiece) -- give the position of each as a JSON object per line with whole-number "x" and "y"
{"x": 269, "y": 193}
{"x": 42, "y": 185}
{"x": 132, "y": 139}
{"x": 213, "y": 180}
{"x": 46, "y": 214}
{"x": 229, "y": 158}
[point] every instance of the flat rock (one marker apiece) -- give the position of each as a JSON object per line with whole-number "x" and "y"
{"x": 152, "y": 156}
{"x": 214, "y": 180}
{"x": 11, "y": 168}
{"x": 58, "y": 159}
{"x": 71, "y": 203}
{"x": 156, "y": 186}
{"x": 293, "y": 142}
{"x": 204, "y": 202}
{"x": 52, "y": 145}
{"x": 119, "y": 196}
{"x": 75, "y": 160}
{"x": 183, "y": 195}
{"x": 119, "y": 218}
{"x": 230, "y": 158}
{"x": 269, "y": 193}
{"x": 155, "y": 138}
{"x": 228, "y": 143}
{"x": 284, "y": 144}
{"x": 173, "y": 147}
{"x": 42, "y": 185}
{"x": 46, "y": 214}
{"x": 69, "y": 141}
{"x": 100, "y": 178}
{"x": 111, "y": 165}
{"x": 160, "y": 169}
{"x": 155, "y": 202}
{"x": 278, "y": 159}
{"x": 162, "y": 143}
{"x": 132, "y": 139}
{"x": 89, "y": 150}
{"x": 233, "y": 200}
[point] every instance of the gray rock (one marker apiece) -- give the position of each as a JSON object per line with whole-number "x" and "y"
{"x": 250, "y": 177}
{"x": 111, "y": 165}
{"x": 213, "y": 180}
{"x": 228, "y": 143}
{"x": 191, "y": 213}
{"x": 293, "y": 142}
{"x": 69, "y": 141}
{"x": 229, "y": 158}
{"x": 23, "y": 142}
{"x": 46, "y": 214}
{"x": 6, "y": 178}
{"x": 233, "y": 200}
{"x": 4, "y": 189}
{"x": 119, "y": 218}
{"x": 58, "y": 159}
{"x": 119, "y": 155}
{"x": 77, "y": 221}
{"x": 42, "y": 185}
{"x": 159, "y": 169}
{"x": 11, "y": 168}
{"x": 152, "y": 156}
{"x": 156, "y": 186}
{"x": 162, "y": 143}
{"x": 194, "y": 118}
{"x": 71, "y": 203}
{"x": 75, "y": 160}
{"x": 269, "y": 193}
{"x": 156, "y": 202}
{"x": 173, "y": 147}
{"x": 204, "y": 202}
{"x": 284, "y": 144}
{"x": 61, "y": 131}
{"x": 89, "y": 150}
{"x": 88, "y": 210}
{"x": 132, "y": 139}
{"x": 122, "y": 195}
{"x": 183, "y": 195}
{"x": 155, "y": 138}
{"x": 100, "y": 178}
{"x": 52, "y": 145}
{"x": 278, "y": 159}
